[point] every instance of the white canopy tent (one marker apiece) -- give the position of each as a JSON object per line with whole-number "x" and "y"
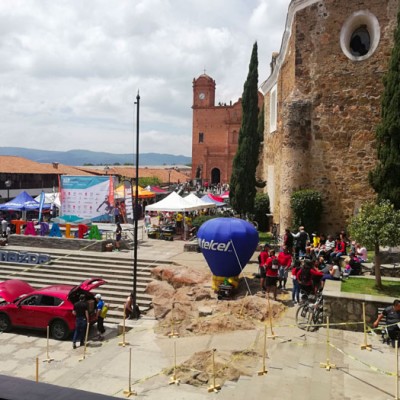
{"x": 193, "y": 199}
{"x": 173, "y": 203}
{"x": 50, "y": 198}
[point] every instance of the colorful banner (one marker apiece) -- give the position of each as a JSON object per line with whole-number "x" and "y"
{"x": 41, "y": 203}
{"x": 86, "y": 197}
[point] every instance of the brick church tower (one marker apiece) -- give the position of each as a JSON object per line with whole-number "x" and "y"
{"x": 215, "y": 133}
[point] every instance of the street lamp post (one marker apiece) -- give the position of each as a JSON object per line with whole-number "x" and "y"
{"x": 135, "y": 307}
{"x": 8, "y": 184}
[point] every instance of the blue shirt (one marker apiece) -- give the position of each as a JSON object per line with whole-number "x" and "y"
{"x": 100, "y": 305}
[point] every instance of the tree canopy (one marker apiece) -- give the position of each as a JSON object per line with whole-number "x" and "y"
{"x": 243, "y": 179}
{"x": 385, "y": 179}
{"x": 376, "y": 225}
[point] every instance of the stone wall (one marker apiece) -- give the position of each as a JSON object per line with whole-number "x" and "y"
{"x": 347, "y": 307}
{"x": 46, "y": 242}
{"x": 343, "y": 99}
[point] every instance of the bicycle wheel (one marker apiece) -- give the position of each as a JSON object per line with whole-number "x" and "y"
{"x": 304, "y": 317}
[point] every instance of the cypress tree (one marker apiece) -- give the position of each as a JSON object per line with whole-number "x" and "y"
{"x": 385, "y": 179}
{"x": 243, "y": 180}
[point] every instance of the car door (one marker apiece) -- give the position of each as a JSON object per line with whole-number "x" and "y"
{"x": 26, "y": 313}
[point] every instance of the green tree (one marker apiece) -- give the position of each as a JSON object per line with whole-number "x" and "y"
{"x": 261, "y": 209}
{"x": 385, "y": 179}
{"x": 306, "y": 205}
{"x": 243, "y": 179}
{"x": 149, "y": 181}
{"x": 374, "y": 226}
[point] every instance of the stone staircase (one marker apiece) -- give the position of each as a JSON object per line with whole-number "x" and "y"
{"x": 75, "y": 267}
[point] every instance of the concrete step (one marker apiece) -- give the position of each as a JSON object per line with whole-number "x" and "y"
{"x": 77, "y": 267}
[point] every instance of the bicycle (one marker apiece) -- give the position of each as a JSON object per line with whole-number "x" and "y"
{"x": 310, "y": 314}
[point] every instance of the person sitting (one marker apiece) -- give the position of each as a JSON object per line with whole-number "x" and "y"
{"x": 361, "y": 253}
{"x": 353, "y": 265}
{"x": 327, "y": 248}
{"x": 340, "y": 249}
{"x": 334, "y": 274}
{"x": 392, "y": 315}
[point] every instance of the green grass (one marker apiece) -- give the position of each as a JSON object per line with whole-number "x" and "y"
{"x": 367, "y": 286}
{"x": 264, "y": 237}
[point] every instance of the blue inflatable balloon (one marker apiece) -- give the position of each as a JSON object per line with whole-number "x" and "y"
{"x": 227, "y": 244}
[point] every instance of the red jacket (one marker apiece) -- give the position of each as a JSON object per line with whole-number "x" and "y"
{"x": 269, "y": 270}
{"x": 313, "y": 272}
{"x": 285, "y": 259}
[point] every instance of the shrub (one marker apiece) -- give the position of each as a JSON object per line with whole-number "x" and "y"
{"x": 261, "y": 209}
{"x": 198, "y": 221}
{"x": 306, "y": 205}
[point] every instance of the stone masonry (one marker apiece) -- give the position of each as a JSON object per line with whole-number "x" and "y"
{"x": 328, "y": 106}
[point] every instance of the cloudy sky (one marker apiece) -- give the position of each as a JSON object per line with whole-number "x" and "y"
{"x": 70, "y": 69}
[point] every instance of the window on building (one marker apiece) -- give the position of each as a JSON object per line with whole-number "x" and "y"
{"x": 201, "y": 137}
{"x": 360, "y": 41}
{"x": 273, "y": 109}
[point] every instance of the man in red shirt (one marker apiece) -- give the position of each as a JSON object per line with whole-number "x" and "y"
{"x": 285, "y": 262}
{"x": 271, "y": 273}
{"x": 262, "y": 260}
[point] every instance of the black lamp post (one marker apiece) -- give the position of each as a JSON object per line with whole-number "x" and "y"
{"x": 135, "y": 307}
{"x": 8, "y": 184}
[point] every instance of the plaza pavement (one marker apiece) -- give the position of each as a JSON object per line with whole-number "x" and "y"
{"x": 293, "y": 362}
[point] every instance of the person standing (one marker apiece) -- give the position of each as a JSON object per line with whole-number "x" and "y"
{"x": 82, "y": 316}
{"x": 285, "y": 262}
{"x": 118, "y": 235}
{"x": 302, "y": 238}
{"x": 4, "y": 225}
{"x": 271, "y": 274}
{"x": 147, "y": 221}
{"x": 288, "y": 240}
{"x": 262, "y": 262}
{"x": 100, "y": 318}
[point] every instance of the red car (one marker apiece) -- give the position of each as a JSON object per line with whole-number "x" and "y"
{"x": 23, "y": 306}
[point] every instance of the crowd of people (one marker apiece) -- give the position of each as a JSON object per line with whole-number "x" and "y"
{"x": 309, "y": 261}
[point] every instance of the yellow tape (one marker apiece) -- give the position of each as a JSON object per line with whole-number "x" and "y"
{"x": 372, "y": 367}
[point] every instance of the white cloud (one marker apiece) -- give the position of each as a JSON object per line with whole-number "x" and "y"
{"x": 70, "y": 70}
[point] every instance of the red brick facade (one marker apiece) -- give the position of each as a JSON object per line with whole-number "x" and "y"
{"x": 215, "y": 133}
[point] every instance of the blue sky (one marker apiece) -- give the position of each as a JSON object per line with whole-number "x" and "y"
{"x": 71, "y": 69}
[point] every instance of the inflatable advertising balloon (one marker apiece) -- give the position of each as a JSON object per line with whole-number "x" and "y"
{"x": 227, "y": 245}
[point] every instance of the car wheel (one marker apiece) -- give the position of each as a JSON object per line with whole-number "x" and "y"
{"x": 5, "y": 323}
{"x": 59, "y": 330}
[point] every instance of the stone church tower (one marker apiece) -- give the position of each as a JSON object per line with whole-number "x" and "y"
{"x": 215, "y": 133}
{"x": 322, "y": 104}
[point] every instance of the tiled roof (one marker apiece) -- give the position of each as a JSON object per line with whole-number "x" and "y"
{"x": 20, "y": 165}
{"x": 144, "y": 172}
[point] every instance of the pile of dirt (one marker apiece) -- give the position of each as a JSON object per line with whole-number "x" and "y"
{"x": 184, "y": 303}
{"x": 198, "y": 369}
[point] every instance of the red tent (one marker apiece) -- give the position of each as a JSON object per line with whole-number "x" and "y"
{"x": 216, "y": 198}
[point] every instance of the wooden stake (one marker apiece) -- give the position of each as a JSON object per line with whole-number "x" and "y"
{"x": 264, "y": 371}
{"x": 173, "y": 334}
{"x": 328, "y": 364}
{"x": 37, "y": 369}
{"x": 242, "y": 307}
{"x": 123, "y": 343}
{"x": 174, "y": 379}
{"x": 86, "y": 339}
{"x": 48, "y": 359}
{"x": 130, "y": 392}
{"x": 214, "y": 387}
{"x": 396, "y": 396}
{"x": 273, "y": 336}
{"x": 365, "y": 346}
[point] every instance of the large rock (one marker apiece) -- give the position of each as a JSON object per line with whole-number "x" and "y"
{"x": 179, "y": 276}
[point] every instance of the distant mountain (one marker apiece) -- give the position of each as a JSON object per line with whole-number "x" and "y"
{"x": 81, "y": 157}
